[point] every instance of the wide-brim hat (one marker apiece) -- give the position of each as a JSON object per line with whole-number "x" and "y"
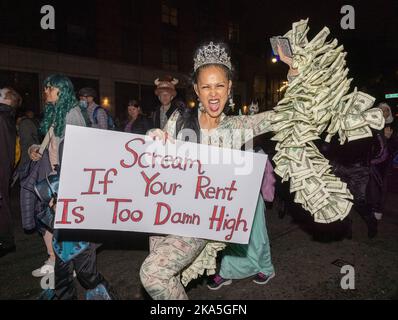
{"x": 88, "y": 92}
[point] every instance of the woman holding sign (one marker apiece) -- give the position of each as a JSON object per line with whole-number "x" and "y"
{"x": 174, "y": 261}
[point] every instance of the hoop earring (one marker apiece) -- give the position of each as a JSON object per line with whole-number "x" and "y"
{"x": 201, "y": 107}
{"x": 231, "y": 102}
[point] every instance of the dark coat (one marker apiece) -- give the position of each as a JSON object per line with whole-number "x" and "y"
{"x": 351, "y": 153}
{"x": 156, "y": 120}
{"x": 29, "y": 135}
{"x": 141, "y": 126}
{"x": 351, "y": 163}
{"x": 7, "y": 140}
{"x": 30, "y": 203}
{"x": 7, "y": 161}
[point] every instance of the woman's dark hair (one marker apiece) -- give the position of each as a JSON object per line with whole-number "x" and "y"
{"x": 134, "y": 103}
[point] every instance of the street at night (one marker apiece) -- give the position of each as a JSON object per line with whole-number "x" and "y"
{"x": 203, "y": 150}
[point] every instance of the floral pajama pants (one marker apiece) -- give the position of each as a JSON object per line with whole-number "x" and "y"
{"x": 160, "y": 273}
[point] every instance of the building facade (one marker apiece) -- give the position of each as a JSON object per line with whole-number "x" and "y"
{"x": 121, "y": 47}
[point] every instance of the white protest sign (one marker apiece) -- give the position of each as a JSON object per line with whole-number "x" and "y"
{"x": 125, "y": 182}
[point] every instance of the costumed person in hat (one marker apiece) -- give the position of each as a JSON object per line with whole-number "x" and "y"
{"x": 62, "y": 108}
{"x": 166, "y": 92}
{"x": 96, "y": 114}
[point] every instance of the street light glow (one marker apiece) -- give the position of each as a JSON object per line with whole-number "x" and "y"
{"x": 106, "y": 102}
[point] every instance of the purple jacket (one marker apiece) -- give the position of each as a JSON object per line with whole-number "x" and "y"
{"x": 268, "y": 186}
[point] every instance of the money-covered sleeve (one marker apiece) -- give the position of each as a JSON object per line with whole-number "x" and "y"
{"x": 260, "y": 123}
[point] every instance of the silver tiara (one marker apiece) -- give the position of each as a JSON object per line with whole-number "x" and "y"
{"x": 212, "y": 54}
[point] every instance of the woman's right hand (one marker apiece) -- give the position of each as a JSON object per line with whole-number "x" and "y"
{"x": 160, "y": 135}
{"x": 34, "y": 154}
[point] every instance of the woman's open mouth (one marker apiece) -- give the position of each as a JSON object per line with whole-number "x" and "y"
{"x": 214, "y": 105}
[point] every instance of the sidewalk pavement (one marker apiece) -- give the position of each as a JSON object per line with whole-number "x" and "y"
{"x": 305, "y": 269}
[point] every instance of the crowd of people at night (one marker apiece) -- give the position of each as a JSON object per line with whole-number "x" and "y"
{"x": 31, "y": 159}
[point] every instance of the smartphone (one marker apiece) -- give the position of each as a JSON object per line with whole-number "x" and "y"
{"x": 284, "y": 43}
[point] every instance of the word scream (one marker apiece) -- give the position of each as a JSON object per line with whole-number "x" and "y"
{"x": 150, "y": 160}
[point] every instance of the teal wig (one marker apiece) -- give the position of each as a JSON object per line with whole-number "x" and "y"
{"x": 55, "y": 113}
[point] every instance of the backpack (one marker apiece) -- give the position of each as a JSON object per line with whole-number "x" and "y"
{"x": 111, "y": 123}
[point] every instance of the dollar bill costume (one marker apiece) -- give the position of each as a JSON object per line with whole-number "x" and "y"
{"x": 316, "y": 100}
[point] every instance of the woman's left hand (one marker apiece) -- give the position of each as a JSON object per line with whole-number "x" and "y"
{"x": 288, "y": 61}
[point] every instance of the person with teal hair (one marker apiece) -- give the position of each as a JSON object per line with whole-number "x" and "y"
{"x": 61, "y": 108}
{"x": 65, "y": 258}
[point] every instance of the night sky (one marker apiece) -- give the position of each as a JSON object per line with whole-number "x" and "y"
{"x": 372, "y": 47}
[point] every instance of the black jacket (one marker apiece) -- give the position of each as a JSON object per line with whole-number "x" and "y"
{"x": 7, "y": 160}
{"x": 7, "y": 141}
{"x": 141, "y": 125}
{"x": 156, "y": 120}
{"x": 356, "y": 152}
{"x": 29, "y": 135}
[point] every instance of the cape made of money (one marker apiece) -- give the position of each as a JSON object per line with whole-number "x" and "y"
{"x": 318, "y": 100}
